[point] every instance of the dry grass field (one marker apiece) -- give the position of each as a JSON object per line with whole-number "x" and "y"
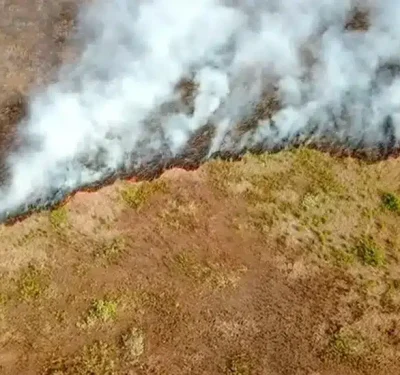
{"x": 281, "y": 263}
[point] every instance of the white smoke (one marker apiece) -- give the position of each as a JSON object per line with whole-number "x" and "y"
{"x": 107, "y": 106}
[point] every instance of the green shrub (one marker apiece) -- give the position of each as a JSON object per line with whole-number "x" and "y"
{"x": 391, "y": 202}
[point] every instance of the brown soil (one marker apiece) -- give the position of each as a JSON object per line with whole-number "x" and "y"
{"x": 171, "y": 277}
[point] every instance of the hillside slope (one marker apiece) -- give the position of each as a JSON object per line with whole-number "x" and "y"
{"x": 276, "y": 264}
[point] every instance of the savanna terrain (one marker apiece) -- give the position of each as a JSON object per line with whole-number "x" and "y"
{"x": 277, "y": 264}
{"x": 282, "y": 263}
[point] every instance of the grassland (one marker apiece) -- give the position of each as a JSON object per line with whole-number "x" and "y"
{"x": 282, "y": 263}
{"x": 277, "y": 264}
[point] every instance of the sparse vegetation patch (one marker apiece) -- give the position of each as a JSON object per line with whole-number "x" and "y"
{"x": 138, "y": 194}
{"x": 348, "y": 346}
{"x": 110, "y": 250}
{"x": 59, "y": 217}
{"x": 343, "y": 256}
{"x": 31, "y": 283}
{"x": 95, "y": 359}
{"x": 239, "y": 365}
{"x": 185, "y": 263}
{"x": 113, "y": 357}
{"x": 180, "y": 214}
{"x": 391, "y": 202}
{"x": 132, "y": 344}
{"x": 100, "y": 311}
{"x": 369, "y": 253}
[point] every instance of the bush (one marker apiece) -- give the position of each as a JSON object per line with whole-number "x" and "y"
{"x": 391, "y": 202}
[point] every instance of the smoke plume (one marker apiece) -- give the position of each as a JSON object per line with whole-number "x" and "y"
{"x": 117, "y": 107}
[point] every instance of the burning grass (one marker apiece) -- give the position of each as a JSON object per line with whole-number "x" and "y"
{"x": 196, "y": 154}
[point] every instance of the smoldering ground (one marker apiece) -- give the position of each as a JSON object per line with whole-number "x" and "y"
{"x": 161, "y": 81}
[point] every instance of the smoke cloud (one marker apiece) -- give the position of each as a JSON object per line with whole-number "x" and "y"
{"x": 117, "y": 107}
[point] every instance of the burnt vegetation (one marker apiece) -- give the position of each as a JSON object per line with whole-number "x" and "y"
{"x": 197, "y": 149}
{"x": 358, "y": 21}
